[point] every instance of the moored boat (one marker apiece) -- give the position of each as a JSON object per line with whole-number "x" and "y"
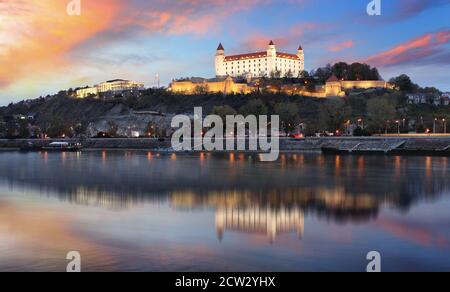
{"x": 63, "y": 147}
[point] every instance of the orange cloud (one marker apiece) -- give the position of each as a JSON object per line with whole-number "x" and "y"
{"x": 183, "y": 16}
{"x": 418, "y": 49}
{"x": 35, "y": 35}
{"x": 341, "y": 46}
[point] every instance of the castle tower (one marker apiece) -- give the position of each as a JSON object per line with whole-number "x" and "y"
{"x": 271, "y": 59}
{"x": 220, "y": 61}
{"x": 271, "y": 50}
{"x": 301, "y": 56}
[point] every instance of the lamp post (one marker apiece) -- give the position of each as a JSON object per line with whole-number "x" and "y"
{"x": 434, "y": 126}
{"x": 398, "y": 126}
{"x": 444, "y": 121}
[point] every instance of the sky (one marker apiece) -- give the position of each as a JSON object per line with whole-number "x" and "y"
{"x": 43, "y": 49}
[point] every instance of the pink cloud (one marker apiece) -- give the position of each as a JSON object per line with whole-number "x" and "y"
{"x": 428, "y": 46}
{"x": 293, "y": 36}
{"x": 341, "y": 46}
{"x": 418, "y": 234}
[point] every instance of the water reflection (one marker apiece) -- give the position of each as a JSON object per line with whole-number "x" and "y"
{"x": 239, "y": 198}
{"x": 347, "y": 191}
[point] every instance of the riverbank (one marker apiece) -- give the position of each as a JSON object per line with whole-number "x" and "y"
{"x": 397, "y": 145}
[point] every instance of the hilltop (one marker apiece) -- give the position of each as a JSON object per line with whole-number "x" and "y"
{"x": 148, "y": 112}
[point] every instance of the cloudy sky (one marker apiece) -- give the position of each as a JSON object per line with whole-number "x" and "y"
{"x": 43, "y": 49}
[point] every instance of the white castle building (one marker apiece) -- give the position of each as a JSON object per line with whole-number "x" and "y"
{"x": 269, "y": 63}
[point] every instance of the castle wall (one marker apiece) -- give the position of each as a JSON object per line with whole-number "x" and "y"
{"x": 227, "y": 87}
{"x": 336, "y": 88}
{"x": 187, "y": 87}
{"x": 364, "y": 84}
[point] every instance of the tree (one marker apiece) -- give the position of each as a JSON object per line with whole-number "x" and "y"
{"x": 303, "y": 74}
{"x": 223, "y": 111}
{"x": 113, "y": 128}
{"x": 341, "y": 70}
{"x": 289, "y": 74}
{"x": 255, "y": 107}
{"x": 323, "y": 74}
{"x": 56, "y": 128}
{"x": 153, "y": 130}
{"x": 333, "y": 114}
{"x": 79, "y": 129}
{"x": 3, "y": 129}
{"x": 275, "y": 74}
{"x": 289, "y": 115}
{"x": 24, "y": 131}
{"x": 404, "y": 83}
{"x": 379, "y": 112}
{"x": 201, "y": 89}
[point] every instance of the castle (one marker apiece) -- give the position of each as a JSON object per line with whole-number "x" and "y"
{"x": 242, "y": 74}
{"x": 260, "y": 64}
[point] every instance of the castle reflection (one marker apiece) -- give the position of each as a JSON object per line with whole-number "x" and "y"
{"x": 246, "y": 196}
{"x": 256, "y": 220}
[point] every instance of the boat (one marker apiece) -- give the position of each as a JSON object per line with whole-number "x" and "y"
{"x": 63, "y": 147}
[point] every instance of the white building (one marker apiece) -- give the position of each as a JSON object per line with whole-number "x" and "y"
{"x": 269, "y": 63}
{"x": 112, "y": 86}
{"x": 445, "y": 98}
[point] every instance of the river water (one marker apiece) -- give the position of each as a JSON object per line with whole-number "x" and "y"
{"x": 144, "y": 211}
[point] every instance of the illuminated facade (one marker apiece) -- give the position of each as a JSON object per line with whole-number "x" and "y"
{"x": 217, "y": 85}
{"x": 117, "y": 85}
{"x": 269, "y": 63}
{"x": 268, "y": 221}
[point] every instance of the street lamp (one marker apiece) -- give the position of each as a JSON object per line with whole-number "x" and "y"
{"x": 444, "y": 121}
{"x": 398, "y": 126}
{"x": 434, "y": 125}
{"x": 361, "y": 122}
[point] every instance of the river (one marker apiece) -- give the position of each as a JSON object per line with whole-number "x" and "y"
{"x": 149, "y": 211}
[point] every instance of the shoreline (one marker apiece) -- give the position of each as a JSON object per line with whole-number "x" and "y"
{"x": 376, "y": 145}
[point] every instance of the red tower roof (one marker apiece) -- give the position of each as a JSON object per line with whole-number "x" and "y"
{"x": 333, "y": 78}
{"x": 220, "y": 47}
{"x": 271, "y": 43}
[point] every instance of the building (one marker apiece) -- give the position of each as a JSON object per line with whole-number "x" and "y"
{"x": 112, "y": 86}
{"x": 445, "y": 99}
{"x": 429, "y": 98}
{"x": 225, "y": 85}
{"x": 269, "y": 63}
{"x": 336, "y": 87}
{"x": 85, "y": 92}
{"x": 416, "y": 98}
